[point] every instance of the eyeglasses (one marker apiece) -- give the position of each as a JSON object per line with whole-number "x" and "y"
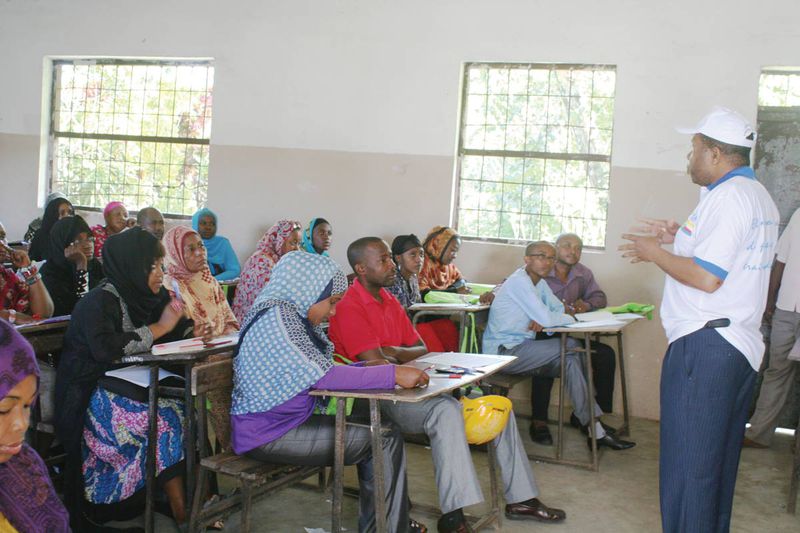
{"x": 543, "y": 257}
{"x": 78, "y": 242}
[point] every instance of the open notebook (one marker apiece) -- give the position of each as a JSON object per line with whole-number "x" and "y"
{"x": 194, "y": 345}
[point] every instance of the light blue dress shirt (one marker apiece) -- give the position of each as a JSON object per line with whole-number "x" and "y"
{"x": 517, "y": 303}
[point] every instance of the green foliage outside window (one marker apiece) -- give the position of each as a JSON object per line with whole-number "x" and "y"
{"x": 535, "y": 151}
{"x": 137, "y": 132}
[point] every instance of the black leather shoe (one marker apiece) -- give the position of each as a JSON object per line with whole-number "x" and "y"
{"x": 534, "y": 509}
{"x": 574, "y": 422}
{"x": 611, "y": 441}
{"x": 448, "y": 526}
{"x": 541, "y": 435}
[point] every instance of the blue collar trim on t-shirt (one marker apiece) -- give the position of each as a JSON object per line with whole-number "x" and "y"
{"x": 744, "y": 171}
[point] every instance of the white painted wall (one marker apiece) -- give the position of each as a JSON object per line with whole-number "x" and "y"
{"x": 348, "y": 109}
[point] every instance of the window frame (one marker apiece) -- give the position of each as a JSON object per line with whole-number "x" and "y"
{"x": 461, "y": 151}
{"x": 53, "y": 101}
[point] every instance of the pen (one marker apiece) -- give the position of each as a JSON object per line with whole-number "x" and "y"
{"x": 448, "y": 376}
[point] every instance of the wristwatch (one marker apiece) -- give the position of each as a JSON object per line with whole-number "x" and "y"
{"x": 12, "y": 316}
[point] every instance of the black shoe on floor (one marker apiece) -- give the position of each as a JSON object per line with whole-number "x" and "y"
{"x": 611, "y": 441}
{"x": 574, "y": 422}
{"x": 541, "y": 435}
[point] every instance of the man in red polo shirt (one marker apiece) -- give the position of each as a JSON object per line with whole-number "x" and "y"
{"x": 370, "y": 324}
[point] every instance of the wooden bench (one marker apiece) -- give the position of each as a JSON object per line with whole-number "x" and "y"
{"x": 503, "y": 383}
{"x": 255, "y": 478}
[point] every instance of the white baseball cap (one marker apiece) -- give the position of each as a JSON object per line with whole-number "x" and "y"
{"x": 725, "y": 125}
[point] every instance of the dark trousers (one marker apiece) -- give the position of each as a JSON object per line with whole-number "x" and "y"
{"x": 604, "y": 366}
{"x": 706, "y": 388}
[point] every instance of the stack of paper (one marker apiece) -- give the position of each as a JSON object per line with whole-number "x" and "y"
{"x": 194, "y": 345}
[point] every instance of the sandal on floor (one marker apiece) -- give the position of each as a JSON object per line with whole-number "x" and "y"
{"x": 416, "y": 527}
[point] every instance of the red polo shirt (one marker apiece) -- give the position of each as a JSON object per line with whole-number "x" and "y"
{"x": 363, "y": 323}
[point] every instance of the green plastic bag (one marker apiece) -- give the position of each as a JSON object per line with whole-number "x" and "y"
{"x": 442, "y": 297}
{"x": 480, "y": 288}
{"x": 330, "y": 409}
{"x": 633, "y": 307}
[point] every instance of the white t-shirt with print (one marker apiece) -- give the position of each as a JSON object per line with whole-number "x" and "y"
{"x": 732, "y": 233}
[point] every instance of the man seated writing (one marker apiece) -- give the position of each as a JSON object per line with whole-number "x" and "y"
{"x": 524, "y": 306}
{"x": 574, "y": 285}
{"x": 370, "y": 324}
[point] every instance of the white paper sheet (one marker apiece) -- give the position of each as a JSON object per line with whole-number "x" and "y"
{"x": 594, "y": 316}
{"x": 139, "y": 374}
{"x": 467, "y": 360}
{"x": 595, "y": 324}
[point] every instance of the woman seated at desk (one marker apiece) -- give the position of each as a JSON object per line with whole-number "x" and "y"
{"x": 57, "y": 207}
{"x": 104, "y": 432}
{"x": 439, "y": 273}
{"x": 72, "y": 269}
{"x": 190, "y": 281}
{"x": 317, "y": 236}
{"x": 23, "y": 296}
{"x": 283, "y": 237}
{"x": 222, "y": 260}
{"x": 28, "y": 502}
{"x": 439, "y": 334}
{"x": 283, "y": 354}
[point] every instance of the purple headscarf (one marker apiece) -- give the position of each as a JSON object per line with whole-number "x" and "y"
{"x": 27, "y": 498}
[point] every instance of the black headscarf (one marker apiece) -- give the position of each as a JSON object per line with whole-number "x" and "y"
{"x": 40, "y": 245}
{"x": 403, "y": 243}
{"x": 63, "y": 233}
{"x": 128, "y": 258}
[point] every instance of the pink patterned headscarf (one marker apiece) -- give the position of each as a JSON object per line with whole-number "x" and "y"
{"x": 204, "y": 299}
{"x": 111, "y": 206}
{"x": 258, "y": 268}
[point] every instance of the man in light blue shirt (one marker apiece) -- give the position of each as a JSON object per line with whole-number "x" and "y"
{"x": 524, "y": 306}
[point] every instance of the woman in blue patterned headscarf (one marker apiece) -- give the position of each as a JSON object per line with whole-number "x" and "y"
{"x": 283, "y": 354}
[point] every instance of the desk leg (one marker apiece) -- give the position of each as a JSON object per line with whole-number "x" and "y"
{"x": 462, "y": 326}
{"x": 791, "y": 506}
{"x": 590, "y": 384}
{"x": 625, "y": 429}
{"x": 560, "y": 446}
{"x": 494, "y": 486}
{"x": 189, "y": 433}
{"x": 378, "y": 466}
{"x": 338, "y": 466}
{"x": 152, "y": 442}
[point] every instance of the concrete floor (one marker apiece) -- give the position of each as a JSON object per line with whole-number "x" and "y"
{"x": 621, "y": 498}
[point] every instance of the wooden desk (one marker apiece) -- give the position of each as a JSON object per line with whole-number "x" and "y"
{"x": 461, "y": 310}
{"x": 46, "y": 336}
{"x": 587, "y": 333}
{"x": 435, "y": 388}
{"x": 188, "y": 360}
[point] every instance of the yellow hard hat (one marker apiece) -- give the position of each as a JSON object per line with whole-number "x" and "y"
{"x": 485, "y": 417}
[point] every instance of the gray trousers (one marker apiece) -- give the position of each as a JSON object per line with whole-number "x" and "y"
{"x": 778, "y": 377}
{"x": 543, "y": 358}
{"x": 312, "y": 444}
{"x": 442, "y": 420}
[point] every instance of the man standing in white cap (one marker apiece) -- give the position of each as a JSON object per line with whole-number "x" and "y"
{"x": 714, "y": 296}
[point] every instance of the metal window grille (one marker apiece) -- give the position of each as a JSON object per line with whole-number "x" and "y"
{"x": 534, "y": 151}
{"x": 136, "y": 131}
{"x": 779, "y": 87}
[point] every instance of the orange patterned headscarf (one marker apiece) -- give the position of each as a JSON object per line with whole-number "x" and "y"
{"x": 435, "y": 275}
{"x": 204, "y": 299}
